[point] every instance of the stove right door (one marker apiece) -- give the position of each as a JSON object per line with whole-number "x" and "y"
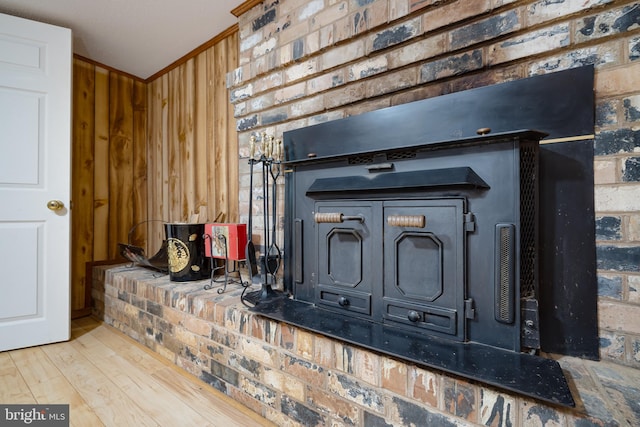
{"x": 424, "y": 277}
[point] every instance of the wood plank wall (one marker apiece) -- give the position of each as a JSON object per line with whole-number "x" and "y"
{"x": 148, "y": 152}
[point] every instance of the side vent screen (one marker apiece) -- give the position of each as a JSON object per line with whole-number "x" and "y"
{"x": 505, "y": 277}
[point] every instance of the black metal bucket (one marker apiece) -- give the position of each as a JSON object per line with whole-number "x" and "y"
{"x": 185, "y": 248}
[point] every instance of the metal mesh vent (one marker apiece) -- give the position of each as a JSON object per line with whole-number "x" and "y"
{"x": 399, "y": 155}
{"x": 505, "y": 237}
{"x": 528, "y": 215}
{"x": 360, "y": 160}
{"x": 505, "y": 296}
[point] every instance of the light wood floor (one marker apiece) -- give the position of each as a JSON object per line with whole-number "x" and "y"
{"x": 110, "y": 380}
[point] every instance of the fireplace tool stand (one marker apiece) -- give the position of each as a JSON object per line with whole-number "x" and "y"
{"x": 269, "y": 261}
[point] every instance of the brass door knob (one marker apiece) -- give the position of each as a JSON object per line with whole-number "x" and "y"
{"x": 55, "y": 205}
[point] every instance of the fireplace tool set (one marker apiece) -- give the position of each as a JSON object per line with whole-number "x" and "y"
{"x": 198, "y": 251}
{"x": 264, "y": 268}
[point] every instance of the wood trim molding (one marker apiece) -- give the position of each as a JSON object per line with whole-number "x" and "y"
{"x": 244, "y": 7}
{"x": 195, "y": 52}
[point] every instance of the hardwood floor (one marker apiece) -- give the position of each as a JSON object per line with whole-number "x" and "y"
{"x": 110, "y": 380}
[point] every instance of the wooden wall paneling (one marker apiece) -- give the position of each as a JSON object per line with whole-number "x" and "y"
{"x": 120, "y": 160}
{"x": 187, "y": 141}
{"x": 230, "y": 46}
{"x": 213, "y": 206}
{"x": 219, "y": 189}
{"x": 166, "y": 148}
{"x": 173, "y": 134}
{"x": 156, "y": 151}
{"x": 101, "y": 167}
{"x": 200, "y": 151}
{"x": 139, "y": 140}
{"x": 155, "y": 231}
{"x": 82, "y": 178}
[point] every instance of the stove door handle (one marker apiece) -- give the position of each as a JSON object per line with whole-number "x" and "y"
{"x": 417, "y": 221}
{"x": 335, "y": 217}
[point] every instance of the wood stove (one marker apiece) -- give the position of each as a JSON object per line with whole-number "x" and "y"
{"x": 410, "y": 234}
{"x": 425, "y": 237}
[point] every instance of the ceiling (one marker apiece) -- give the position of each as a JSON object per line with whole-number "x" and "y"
{"x": 138, "y": 37}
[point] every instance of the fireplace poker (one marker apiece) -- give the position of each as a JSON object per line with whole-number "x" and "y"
{"x": 273, "y": 253}
{"x": 250, "y": 250}
{"x": 268, "y": 261}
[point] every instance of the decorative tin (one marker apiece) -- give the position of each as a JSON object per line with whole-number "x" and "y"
{"x": 185, "y": 249}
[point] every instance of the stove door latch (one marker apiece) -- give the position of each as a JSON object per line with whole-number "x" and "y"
{"x": 469, "y": 309}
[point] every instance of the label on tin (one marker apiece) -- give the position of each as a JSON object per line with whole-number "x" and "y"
{"x": 178, "y": 253}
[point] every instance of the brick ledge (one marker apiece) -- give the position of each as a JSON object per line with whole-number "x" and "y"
{"x": 173, "y": 318}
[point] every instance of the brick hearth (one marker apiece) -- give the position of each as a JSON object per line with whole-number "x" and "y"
{"x": 294, "y": 377}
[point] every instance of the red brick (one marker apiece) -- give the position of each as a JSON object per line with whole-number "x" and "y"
{"x": 392, "y": 82}
{"x": 323, "y": 351}
{"x": 453, "y": 12}
{"x": 399, "y": 8}
{"x": 367, "y": 366}
{"x": 328, "y": 404}
{"x": 345, "y": 95}
{"x": 614, "y": 316}
{"x": 394, "y": 376}
{"x": 497, "y": 409}
{"x": 305, "y": 371}
{"x": 197, "y": 326}
{"x": 329, "y": 15}
{"x": 304, "y": 344}
{"x": 418, "y": 51}
{"x": 424, "y": 386}
{"x": 529, "y": 44}
{"x": 460, "y": 399}
{"x": 618, "y": 81}
{"x": 369, "y": 17}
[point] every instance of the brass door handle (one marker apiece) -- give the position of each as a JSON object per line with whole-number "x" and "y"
{"x": 418, "y": 221}
{"x": 55, "y": 205}
{"x": 335, "y": 217}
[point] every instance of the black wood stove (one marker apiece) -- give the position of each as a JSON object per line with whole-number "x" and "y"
{"x": 414, "y": 231}
{"x": 424, "y": 238}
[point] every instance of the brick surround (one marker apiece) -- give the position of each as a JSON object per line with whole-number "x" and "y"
{"x": 305, "y": 62}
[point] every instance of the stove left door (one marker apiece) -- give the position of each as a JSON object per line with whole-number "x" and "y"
{"x": 346, "y": 260}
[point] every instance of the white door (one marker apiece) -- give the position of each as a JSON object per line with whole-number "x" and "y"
{"x": 35, "y": 164}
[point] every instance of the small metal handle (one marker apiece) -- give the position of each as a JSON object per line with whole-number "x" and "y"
{"x": 55, "y": 205}
{"x": 417, "y": 221}
{"x": 343, "y": 301}
{"x": 379, "y": 167}
{"x": 413, "y": 316}
{"x": 336, "y": 217}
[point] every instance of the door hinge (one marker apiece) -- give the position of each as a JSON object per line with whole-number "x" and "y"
{"x": 469, "y": 222}
{"x": 469, "y": 309}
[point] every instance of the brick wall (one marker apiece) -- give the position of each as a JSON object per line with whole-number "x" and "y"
{"x": 305, "y": 62}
